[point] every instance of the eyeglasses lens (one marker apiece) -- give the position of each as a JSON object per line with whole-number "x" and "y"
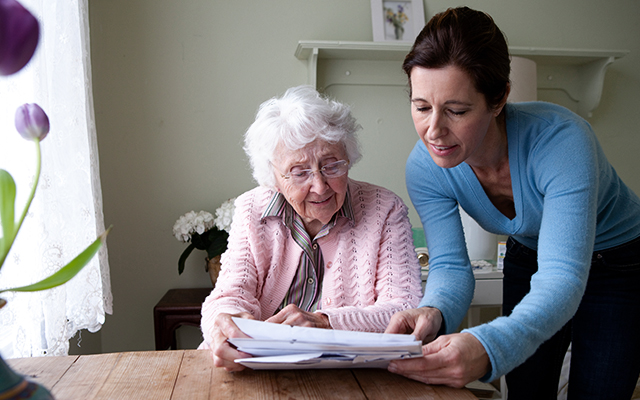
{"x": 332, "y": 170}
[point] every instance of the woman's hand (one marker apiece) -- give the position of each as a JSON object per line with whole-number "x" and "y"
{"x": 294, "y": 316}
{"x": 452, "y": 360}
{"x": 224, "y": 353}
{"x": 424, "y": 323}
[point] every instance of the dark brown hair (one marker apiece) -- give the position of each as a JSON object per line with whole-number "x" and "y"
{"x": 467, "y": 39}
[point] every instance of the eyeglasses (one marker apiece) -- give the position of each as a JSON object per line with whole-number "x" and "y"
{"x": 301, "y": 176}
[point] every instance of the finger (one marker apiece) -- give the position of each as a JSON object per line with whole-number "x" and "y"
{"x": 435, "y": 347}
{"x": 423, "y": 330}
{"x": 244, "y": 315}
{"x": 294, "y": 316}
{"x": 228, "y": 365}
{"x": 282, "y": 316}
{"x": 440, "y": 376}
{"x": 406, "y": 366}
{"x": 302, "y": 320}
{"x": 228, "y": 328}
{"x": 278, "y": 318}
{"x": 399, "y": 324}
{"x": 431, "y": 379}
{"x": 293, "y": 320}
{"x": 420, "y": 369}
{"x": 416, "y": 368}
{"x": 224, "y": 356}
{"x": 237, "y": 332}
{"x": 432, "y": 359}
{"x": 394, "y": 325}
{"x": 427, "y": 324}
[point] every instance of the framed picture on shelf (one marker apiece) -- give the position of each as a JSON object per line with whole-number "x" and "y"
{"x": 396, "y": 21}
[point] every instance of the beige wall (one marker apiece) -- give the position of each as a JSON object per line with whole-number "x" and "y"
{"x": 177, "y": 82}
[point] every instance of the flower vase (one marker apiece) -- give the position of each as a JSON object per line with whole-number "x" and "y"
{"x": 213, "y": 268}
{"x": 399, "y": 31}
{"x": 14, "y": 386}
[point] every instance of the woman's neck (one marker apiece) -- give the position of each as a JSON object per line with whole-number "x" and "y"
{"x": 493, "y": 171}
{"x": 493, "y": 153}
{"x": 313, "y": 228}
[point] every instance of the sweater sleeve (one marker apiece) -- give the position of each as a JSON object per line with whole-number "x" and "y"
{"x": 383, "y": 272}
{"x": 237, "y": 285}
{"x": 451, "y": 283}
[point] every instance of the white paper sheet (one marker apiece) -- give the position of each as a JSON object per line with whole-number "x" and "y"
{"x": 276, "y": 346}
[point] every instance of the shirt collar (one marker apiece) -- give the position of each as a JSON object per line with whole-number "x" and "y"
{"x": 279, "y": 207}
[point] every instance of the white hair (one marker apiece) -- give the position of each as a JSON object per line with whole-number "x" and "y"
{"x": 294, "y": 120}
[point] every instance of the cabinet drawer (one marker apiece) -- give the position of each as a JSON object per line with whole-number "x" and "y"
{"x": 488, "y": 292}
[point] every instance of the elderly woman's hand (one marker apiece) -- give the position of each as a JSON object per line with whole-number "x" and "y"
{"x": 424, "y": 323}
{"x": 294, "y": 316}
{"x": 223, "y": 353}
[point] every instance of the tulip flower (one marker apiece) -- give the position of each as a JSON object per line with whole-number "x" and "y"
{"x": 19, "y": 34}
{"x": 32, "y": 122}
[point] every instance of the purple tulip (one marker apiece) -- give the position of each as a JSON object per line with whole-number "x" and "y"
{"x": 32, "y": 122}
{"x": 19, "y": 33}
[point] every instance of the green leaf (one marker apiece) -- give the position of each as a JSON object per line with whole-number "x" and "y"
{"x": 68, "y": 271}
{"x": 200, "y": 241}
{"x": 183, "y": 258}
{"x": 7, "y": 213}
{"x": 218, "y": 243}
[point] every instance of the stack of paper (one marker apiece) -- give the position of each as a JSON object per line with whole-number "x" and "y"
{"x": 276, "y": 346}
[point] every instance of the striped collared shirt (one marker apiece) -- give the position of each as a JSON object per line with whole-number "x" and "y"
{"x": 306, "y": 287}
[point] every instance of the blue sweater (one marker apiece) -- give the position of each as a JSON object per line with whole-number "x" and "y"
{"x": 569, "y": 201}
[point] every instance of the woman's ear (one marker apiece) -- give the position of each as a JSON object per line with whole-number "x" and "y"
{"x": 276, "y": 185}
{"x": 503, "y": 101}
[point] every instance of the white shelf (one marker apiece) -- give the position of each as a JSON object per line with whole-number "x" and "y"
{"x": 577, "y": 72}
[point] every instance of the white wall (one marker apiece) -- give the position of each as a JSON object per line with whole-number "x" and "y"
{"x": 177, "y": 82}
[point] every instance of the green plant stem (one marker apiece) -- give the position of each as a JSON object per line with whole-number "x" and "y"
{"x": 33, "y": 187}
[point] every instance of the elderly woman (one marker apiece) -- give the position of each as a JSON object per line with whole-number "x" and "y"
{"x": 309, "y": 246}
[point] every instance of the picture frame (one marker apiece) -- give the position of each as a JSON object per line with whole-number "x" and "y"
{"x": 397, "y": 21}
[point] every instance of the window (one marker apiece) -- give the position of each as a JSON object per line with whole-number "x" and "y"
{"x": 66, "y": 213}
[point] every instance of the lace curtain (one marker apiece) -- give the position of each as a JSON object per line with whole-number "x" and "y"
{"x": 66, "y": 213}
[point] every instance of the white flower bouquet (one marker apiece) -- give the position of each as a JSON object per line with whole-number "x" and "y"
{"x": 204, "y": 231}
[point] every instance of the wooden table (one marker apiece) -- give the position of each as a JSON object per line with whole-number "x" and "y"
{"x": 189, "y": 374}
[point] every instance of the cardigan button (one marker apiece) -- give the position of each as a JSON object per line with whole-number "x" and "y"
{"x": 329, "y": 264}
{"x": 327, "y": 301}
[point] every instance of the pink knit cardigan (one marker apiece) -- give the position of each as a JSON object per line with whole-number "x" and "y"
{"x": 371, "y": 268}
